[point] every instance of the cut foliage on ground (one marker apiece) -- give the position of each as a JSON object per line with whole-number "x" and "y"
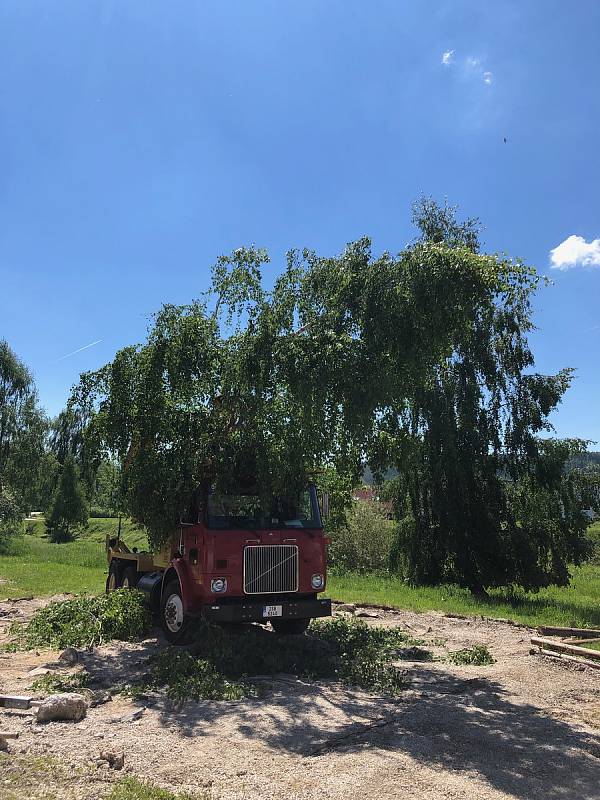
{"x": 478, "y": 655}
{"x": 85, "y": 621}
{"x": 224, "y": 666}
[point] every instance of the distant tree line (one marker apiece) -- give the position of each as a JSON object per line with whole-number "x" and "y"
{"x": 43, "y": 462}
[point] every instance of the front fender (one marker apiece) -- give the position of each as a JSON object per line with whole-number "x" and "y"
{"x": 180, "y": 570}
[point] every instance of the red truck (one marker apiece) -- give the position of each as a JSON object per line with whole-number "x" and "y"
{"x": 245, "y": 558}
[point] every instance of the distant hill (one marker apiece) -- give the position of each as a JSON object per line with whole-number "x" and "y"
{"x": 592, "y": 458}
{"x": 369, "y": 480}
{"x": 589, "y": 459}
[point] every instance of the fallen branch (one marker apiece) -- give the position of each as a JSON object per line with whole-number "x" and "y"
{"x": 358, "y": 730}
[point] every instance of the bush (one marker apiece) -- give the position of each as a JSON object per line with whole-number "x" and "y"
{"x": 363, "y": 544}
{"x": 11, "y": 523}
{"x": 101, "y": 513}
{"x": 87, "y": 621}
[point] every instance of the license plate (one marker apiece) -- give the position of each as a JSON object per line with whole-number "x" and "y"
{"x": 271, "y": 611}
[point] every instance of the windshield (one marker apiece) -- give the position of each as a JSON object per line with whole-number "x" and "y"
{"x": 253, "y": 512}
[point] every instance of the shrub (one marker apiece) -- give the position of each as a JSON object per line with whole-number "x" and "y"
{"x": 478, "y": 655}
{"x": 96, "y": 512}
{"x": 86, "y": 621}
{"x": 363, "y": 543}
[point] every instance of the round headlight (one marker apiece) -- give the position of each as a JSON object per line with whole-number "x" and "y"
{"x": 218, "y": 585}
{"x": 317, "y": 581}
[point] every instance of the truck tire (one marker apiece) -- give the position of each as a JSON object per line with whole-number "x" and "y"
{"x": 129, "y": 578}
{"x": 113, "y": 582}
{"x": 290, "y": 627}
{"x": 174, "y": 620}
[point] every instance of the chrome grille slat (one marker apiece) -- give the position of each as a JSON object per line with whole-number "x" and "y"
{"x": 270, "y": 568}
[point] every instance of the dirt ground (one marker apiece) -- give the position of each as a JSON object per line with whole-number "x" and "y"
{"x": 526, "y": 727}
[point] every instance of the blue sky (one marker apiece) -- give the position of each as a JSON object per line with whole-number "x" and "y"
{"x": 141, "y": 139}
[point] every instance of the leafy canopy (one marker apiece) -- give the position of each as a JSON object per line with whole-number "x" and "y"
{"x": 267, "y": 387}
{"x": 483, "y": 499}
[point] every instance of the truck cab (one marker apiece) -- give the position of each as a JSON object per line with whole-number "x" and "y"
{"x": 246, "y": 558}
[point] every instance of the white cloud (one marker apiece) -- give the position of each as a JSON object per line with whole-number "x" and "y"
{"x": 473, "y": 62}
{"x": 448, "y": 57}
{"x": 488, "y": 77}
{"x": 575, "y": 252}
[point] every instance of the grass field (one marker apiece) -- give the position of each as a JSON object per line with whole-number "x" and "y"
{"x": 37, "y": 567}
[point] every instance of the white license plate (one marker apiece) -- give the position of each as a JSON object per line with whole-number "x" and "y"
{"x": 271, "y": 611}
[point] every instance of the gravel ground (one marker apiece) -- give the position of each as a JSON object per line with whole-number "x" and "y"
{"x": 526, "y": 727}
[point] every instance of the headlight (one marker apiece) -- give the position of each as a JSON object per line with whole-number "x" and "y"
{"x": 317, "y": 581}
{"x": 218, "y": 585}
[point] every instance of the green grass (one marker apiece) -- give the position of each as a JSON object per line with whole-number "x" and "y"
{"x": 133, "y": 789}
{"x": 577, "y": 605}
{"x": 591, "y": 645}
{"x": 78, "y": 566}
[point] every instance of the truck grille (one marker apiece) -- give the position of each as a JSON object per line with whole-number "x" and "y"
{"x": 269, "y": 569}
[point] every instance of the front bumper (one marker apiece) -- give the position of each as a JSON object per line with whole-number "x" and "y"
{"x": 253, "y": 612}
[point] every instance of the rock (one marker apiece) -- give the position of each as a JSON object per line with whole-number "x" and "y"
{"x": 115, "y": 760}
{"x": 348, "y": 607}
{"x": 69, "y": 706}
{"x": 69, "y": 657}
{"x": 38, "y": 671}
{"x": 135, "y": 715}
{"x": 364, "y": 612}
{"x": 4, "y": 737}
{"x": 99, "y": 697}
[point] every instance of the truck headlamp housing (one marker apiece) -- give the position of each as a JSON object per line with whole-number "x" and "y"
{"x": 317, "y": 581}
{"x": 218, "y": 585}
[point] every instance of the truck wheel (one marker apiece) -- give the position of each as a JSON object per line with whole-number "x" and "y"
{"x": 290, "y": 627}
{"x": 172, "y": 616}
{"x": 113, "y": 581}
{"x": 129, "y": 579}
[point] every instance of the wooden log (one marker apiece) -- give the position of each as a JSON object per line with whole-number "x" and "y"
{"x": 573, "y": 659}
{"x": 14, "y": 701}
{"x": 582, "y": 633}
{"x": 6, "y": 735}
{"x": 562, "y": 647}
